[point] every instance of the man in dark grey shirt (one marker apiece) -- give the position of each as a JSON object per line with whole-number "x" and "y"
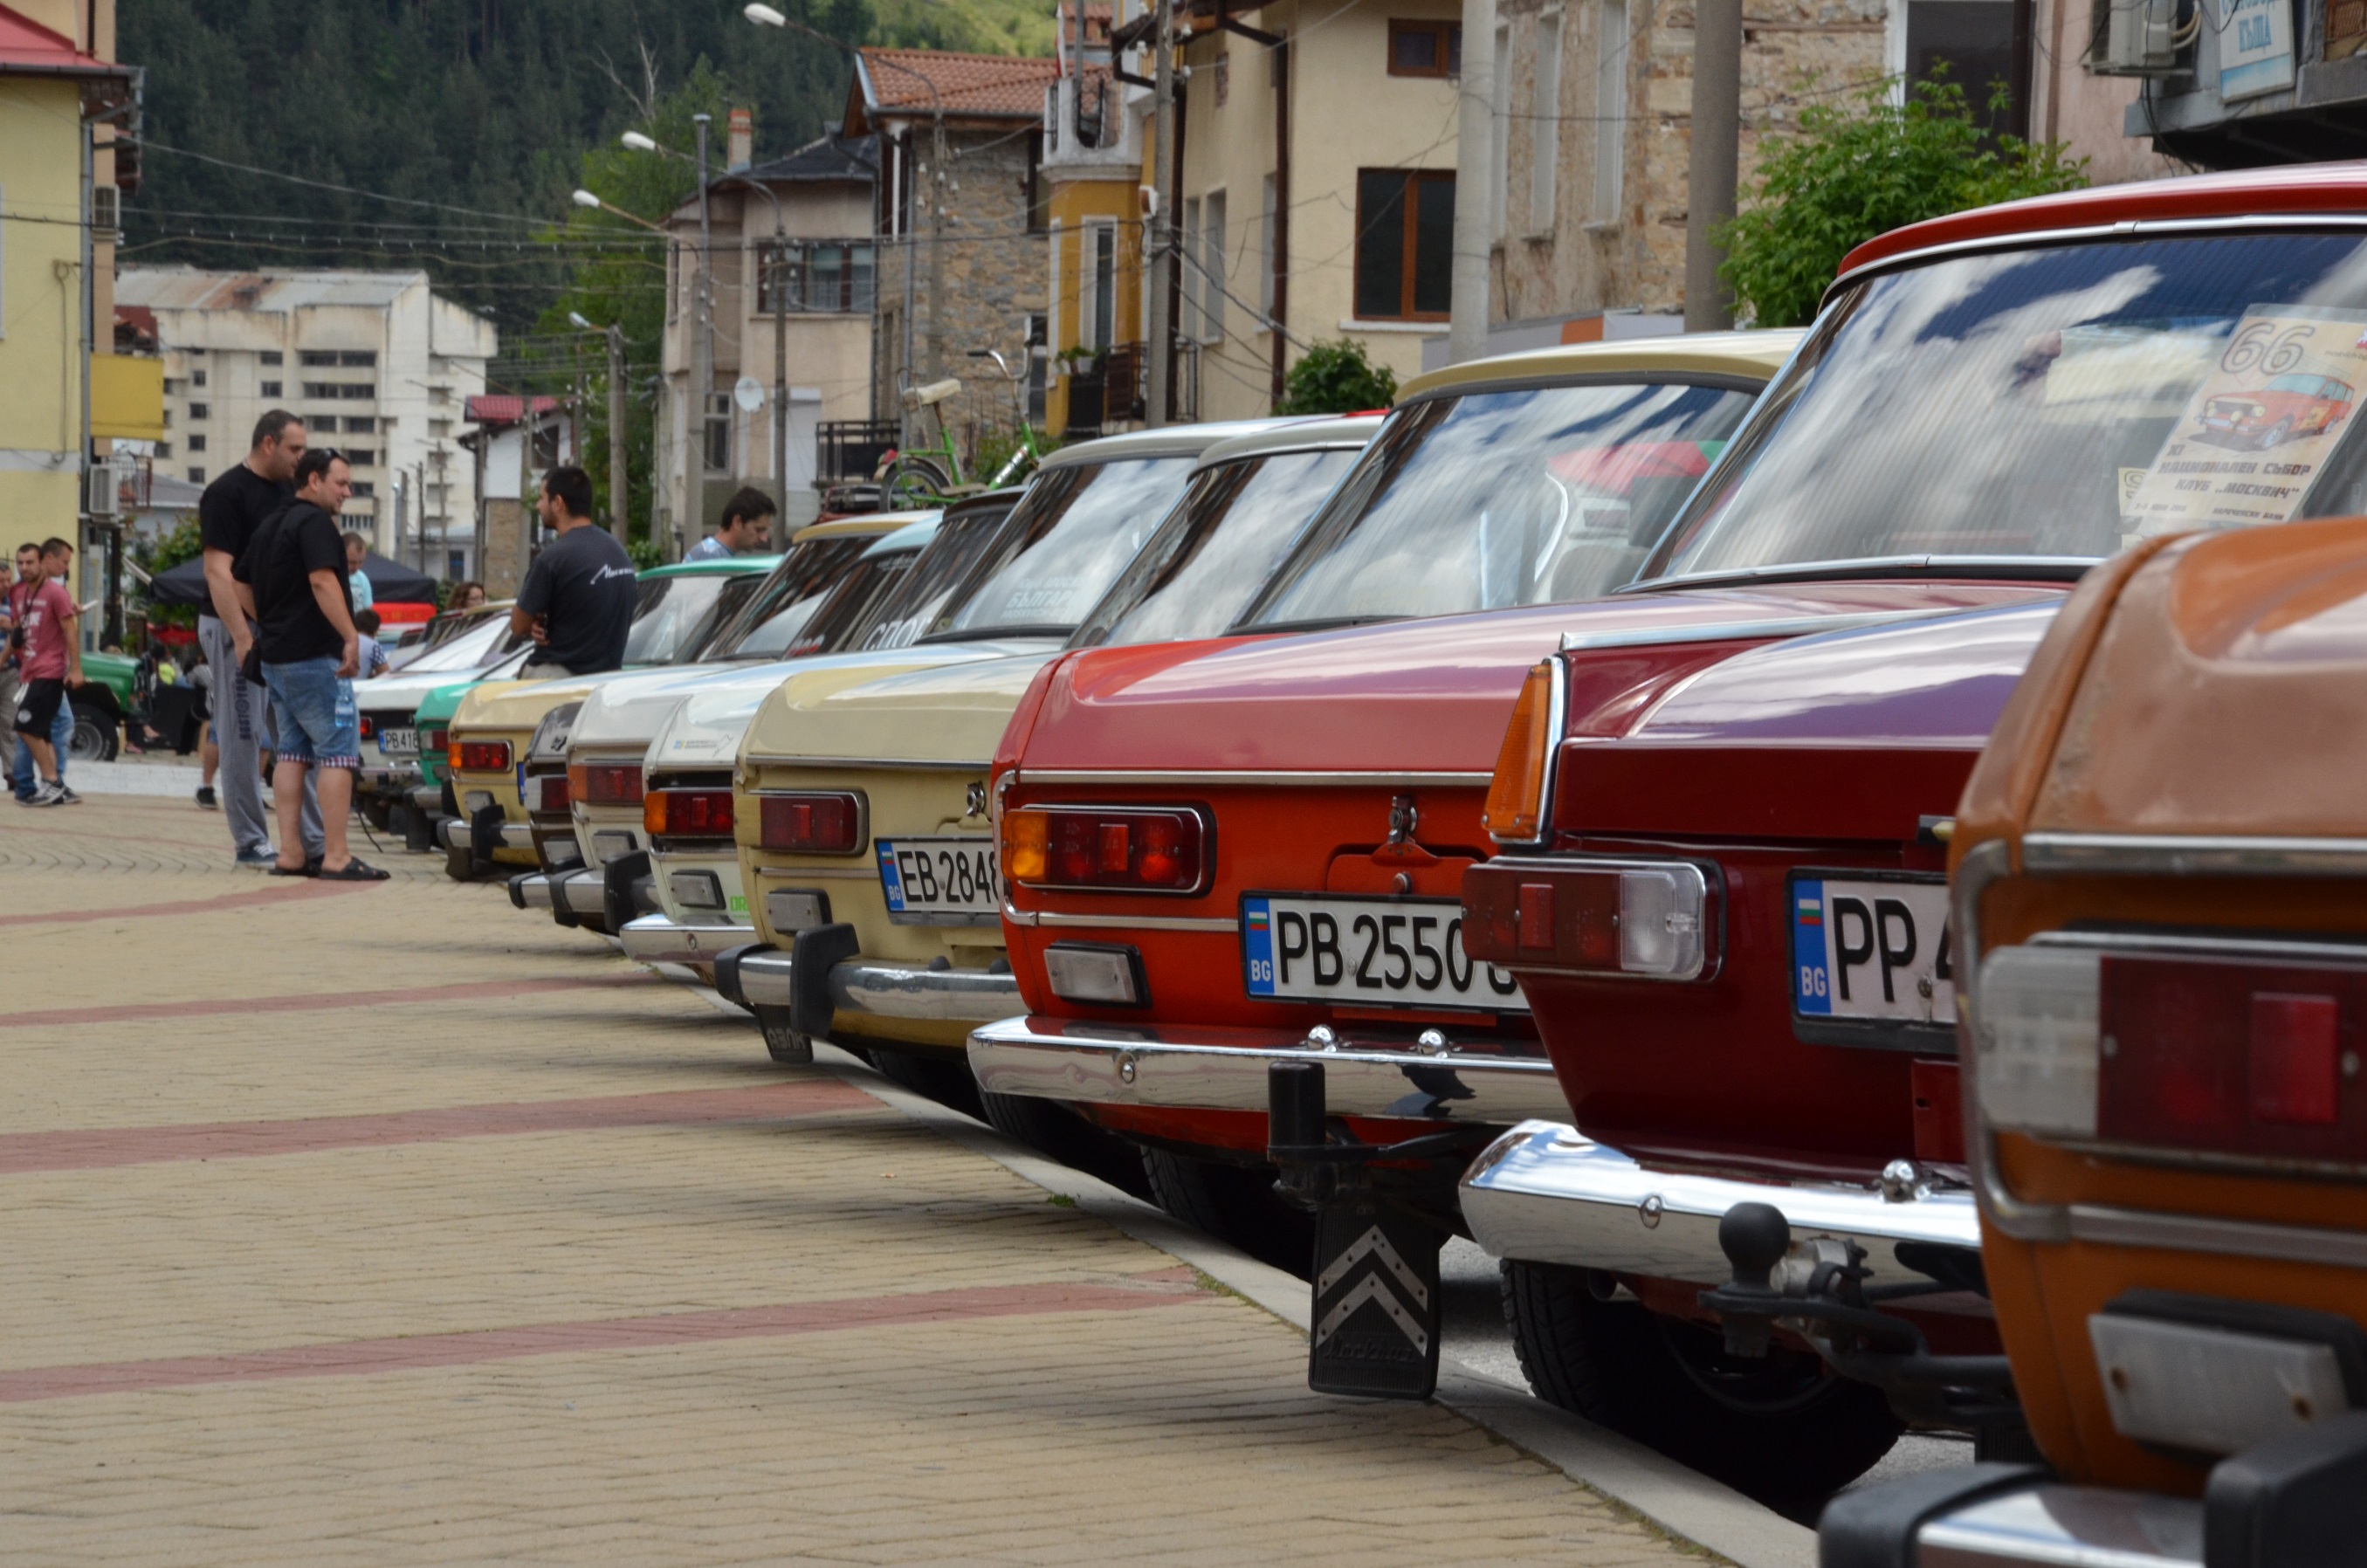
{"x": 577, "y": 599}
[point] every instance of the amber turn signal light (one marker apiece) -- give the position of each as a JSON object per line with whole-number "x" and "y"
{"x": 1516, "y": 806}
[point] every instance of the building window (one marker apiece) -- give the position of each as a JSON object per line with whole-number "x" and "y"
{"x": 273, "y": 357}
{"x": 346, "y": 358}
{"x": 1224, "y": 78}
{"x": 356, "y": 391}
{"x": 363, "y": 486}
{"x": 1212, "y": 269}
{"x": 1405, "y": 243}
{"x": 271, "y": 388}
{"x": 1610, "y": 109}
{"x": 1039, "y": 190}
{"x": 201, "y": 411}
{"x": 1425, "y": 48}
{"x": 1544, "y": 121}
{"x": 197, "y": 476}
{"x": 197, "y": 443}
{"x": 1974, "y": 39}
{"x": 719, "y": 433}
{"x": 196, "y": 377}
{"x": 164, "y": 448}
{"x": 361, "y": 425}
{"x": 1040, "y": 330}
{"x": 361, "y": 456}
{"x": 316, "y": 359}
{"x": 456, "y": 565}
{"x": 1101, "y": 303}
{"x": 833, "y": 277}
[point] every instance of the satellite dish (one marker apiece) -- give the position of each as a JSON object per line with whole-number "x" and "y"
{"x": 749, "y": 393}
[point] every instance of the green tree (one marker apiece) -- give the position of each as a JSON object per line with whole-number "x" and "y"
{"x": 1335, "y": 378}
{"x": 1863, "y": 166}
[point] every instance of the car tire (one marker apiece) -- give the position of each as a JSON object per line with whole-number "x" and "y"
{"x": 1784, "y": 1430}
{"x": 784, "y": 1044}
{"x": 1058, "y": 1133}
{"x": 947, "y": 1083}
{"x": 379, "y": 814}
{"x": 2276, "y": 434}
{"x": 1234, "y": 1204}
{"x": 98, "y": 734}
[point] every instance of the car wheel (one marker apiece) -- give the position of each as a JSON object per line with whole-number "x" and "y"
{"x": 947, "y": 1083}
{"x": 2277, "y": 434}
{"x": 1782, "y": 1429}
{"x": 783, "y": 1044}
{"x": 1234, "y": 1204}
{"x": 379, "y": 814}
{"x": 1057, "y": 1132}
{"x": 97, "y": 735}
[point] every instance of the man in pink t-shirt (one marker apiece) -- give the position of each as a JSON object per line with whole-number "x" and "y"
{"x": 48, "y": 658}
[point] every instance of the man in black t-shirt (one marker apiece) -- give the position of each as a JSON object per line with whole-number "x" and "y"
{"x": 294, "y": 576}
{"x": 232, "y": 507}
{"x": 577, "y": 599}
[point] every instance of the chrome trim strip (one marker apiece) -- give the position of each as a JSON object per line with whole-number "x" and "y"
{"x": 1546, "y": 1193}
{"x": 2179, "y": 854}
{"x": 653, "y": 939}
{"x": 2227, "y": 1238}
{"x": 870, "y": 872}
{"x": 2054, "y": 1526}
{"x": 1107, "y": 1063}
{"x": 1280, "y": 778}
{"x": 2296, "y": 950}
{"x": 1731, "y": 631}
{"x": 899, "y": 764}
{"x": 2030, "y": 569}
{"x": 1122, "y": 923}
{"x": 887, "y": 991}
{"x": 2124, "y": 227}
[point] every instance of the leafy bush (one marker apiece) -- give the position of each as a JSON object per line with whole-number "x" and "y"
{"x": 1336, "y": 377}
{"x": 1861, "y": 167}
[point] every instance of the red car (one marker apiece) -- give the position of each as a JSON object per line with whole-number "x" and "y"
{"x": 2287, "y": 409}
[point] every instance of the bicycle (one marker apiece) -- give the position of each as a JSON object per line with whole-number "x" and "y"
{"x": 934, "y": 475}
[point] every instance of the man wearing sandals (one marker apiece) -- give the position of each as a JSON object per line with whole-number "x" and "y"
{"x": 292, "y": 580}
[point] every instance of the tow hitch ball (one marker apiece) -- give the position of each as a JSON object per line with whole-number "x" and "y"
{"x": 1375, "y": 1328}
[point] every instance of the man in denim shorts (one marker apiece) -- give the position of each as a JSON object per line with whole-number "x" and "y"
{"x": 292, "y": 580}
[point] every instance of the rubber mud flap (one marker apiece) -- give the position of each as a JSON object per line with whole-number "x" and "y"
{"x": 2292, "y": 1499}
{"x": 1876, "y": 1528}
{"x": 814, "y": 952}
{"x": 485, "y": 834}
{"x": 617, "y": 879}
{"x": 1378, "y": 1302}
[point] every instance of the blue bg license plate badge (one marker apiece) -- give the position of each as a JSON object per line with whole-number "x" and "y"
{"x": 1872, "y": 948}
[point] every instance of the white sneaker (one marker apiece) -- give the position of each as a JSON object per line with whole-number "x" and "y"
{"x": 49, "y": 792}
{"x": 66, "y": 796}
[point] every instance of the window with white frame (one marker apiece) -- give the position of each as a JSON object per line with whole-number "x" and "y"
{"x": 1610, "y": 108}
{"x": 1099, "y": 305}
{"x": 1545, "y": 120}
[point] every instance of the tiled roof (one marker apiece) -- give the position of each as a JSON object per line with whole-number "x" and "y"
{"x": 993, "y": 86}
{"x": 502, "y": 408}
{"x": 25, "y": 44}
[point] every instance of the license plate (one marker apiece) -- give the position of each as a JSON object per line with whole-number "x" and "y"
{"x": 399, "y": 743}
{"x": 1370, "y": 952}
{"x": 1872, "y": 948}
{"x": 949, "y": 881}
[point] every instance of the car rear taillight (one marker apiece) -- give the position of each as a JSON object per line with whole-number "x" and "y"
{"x": 547, "y": 793}
{"x": 2207, "y": 1055}
{"x": 1517, "y": 802}
{"x": 822, "y": 823}
{"x": 1115, "y": 849}
{"x": 435, "y": 740}
{"x": 1644, "y": 918}
{"x": 687, "y": 813}
{"x": 605, "y": 783}
{"x": 481, "y": 756}
{"x": 368, "y": 728}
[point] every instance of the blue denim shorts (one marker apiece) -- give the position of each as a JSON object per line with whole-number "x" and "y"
{"x": 312, "y": 709}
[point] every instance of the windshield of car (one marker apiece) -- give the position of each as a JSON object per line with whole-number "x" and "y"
{"x": 778, "y": 605}
{"x": 1495, "y": 499}
{"x": 2049, "y": 404}
{"x": 1214, "y": 551}
{"x": 909, "y": 602}
{"x": 673, "y": 615}
{"x": 1069, "y": 536}
{"x": 471, "y": 650}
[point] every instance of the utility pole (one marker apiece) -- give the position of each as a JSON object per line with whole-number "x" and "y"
{"x": 702, "y": 375}
{"x": 1280, "y": 344}
{"x": 619, "y": 519}
{"x": 1710, "y": 179}
{"x": 1475, "y": 168}
{"x": 526, "y": 484}
{"x": 937, "y": 245}
{"x": 1157, "y": 227}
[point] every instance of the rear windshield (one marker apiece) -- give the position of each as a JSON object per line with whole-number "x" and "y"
{"x": 1216, "y": 550}
{"x": 783, "y": 601}
{"x": 472, "y": 650}
{"x": 673, "y": 615}
{"x": 963, "y": 539}
{"x": 1496, "y": 499}
{"x": 1069, "y": 536}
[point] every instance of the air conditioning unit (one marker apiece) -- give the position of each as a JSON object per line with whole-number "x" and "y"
{"x": 2136, "y": 38}
{"x": 103, "y": 487}
{"x": 106, "y": 213}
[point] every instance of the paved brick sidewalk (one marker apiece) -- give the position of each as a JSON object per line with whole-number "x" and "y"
{"x": 388, "y": 1225}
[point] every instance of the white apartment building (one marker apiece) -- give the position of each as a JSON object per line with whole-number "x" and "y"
{"x": 374, "y": 363}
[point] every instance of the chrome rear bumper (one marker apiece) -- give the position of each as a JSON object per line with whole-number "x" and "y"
{"x": 530, "y": 890}
{"x": 427, "y": 797}
{"x": 653, "y": 939}
{"x": 1546, "y": 1193}
{"x": 453, "y": 833}
{"x": 886, "y": 990}
{"x": 1224, "y": 1069}
{"x": 580, "y": 893}
{"x": 2077, "y": 1526}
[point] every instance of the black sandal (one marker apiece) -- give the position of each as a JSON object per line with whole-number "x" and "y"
{"x": 312, "y": 868}
{"x": 357, "y": 869}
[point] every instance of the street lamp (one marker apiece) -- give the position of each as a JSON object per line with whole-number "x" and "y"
{"x": 586, "y": 198}
{"x": 638, "y": 142}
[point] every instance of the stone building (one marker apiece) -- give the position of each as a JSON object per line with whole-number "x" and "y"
{"x": 961, "y": 216}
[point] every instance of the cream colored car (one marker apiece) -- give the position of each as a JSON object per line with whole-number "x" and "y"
{"x": 861, "y": 810}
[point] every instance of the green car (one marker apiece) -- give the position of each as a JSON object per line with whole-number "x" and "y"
{"x": 107, "y": 698}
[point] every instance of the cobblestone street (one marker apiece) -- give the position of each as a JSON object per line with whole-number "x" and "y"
{"x": 388, "y": 1224}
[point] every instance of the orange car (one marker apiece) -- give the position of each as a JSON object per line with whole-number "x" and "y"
{"x": 2287, "y": 409}
{"x": 2160, "y": 885}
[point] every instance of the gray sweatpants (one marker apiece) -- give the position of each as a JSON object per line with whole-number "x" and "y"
{"x": 243, "y": 727}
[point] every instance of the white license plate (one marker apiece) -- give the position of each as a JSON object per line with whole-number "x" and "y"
{"x": 952, "y": 879}
{"x": 1872, "y": 948}
{"x": 399, "y": 743}
{"x": 1372, "y": 951}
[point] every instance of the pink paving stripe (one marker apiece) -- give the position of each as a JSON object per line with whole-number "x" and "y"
{"x": 364, "y": 1357}
{"x": 54, "y": 1018}
{"x": 98, "y": 1148}
{"x": 281, "y": 893}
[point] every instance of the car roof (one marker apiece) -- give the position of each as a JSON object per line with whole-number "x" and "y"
{"x": 727, "y": 566}
{"x": 911, "y": 536}
{"x": 1750, "y": 356}
{"x": 1347, "y": 432}
{"x": 861, "y": 524}
{"x": 1166, "y": 441}
{"x": 2293, "y": 190}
